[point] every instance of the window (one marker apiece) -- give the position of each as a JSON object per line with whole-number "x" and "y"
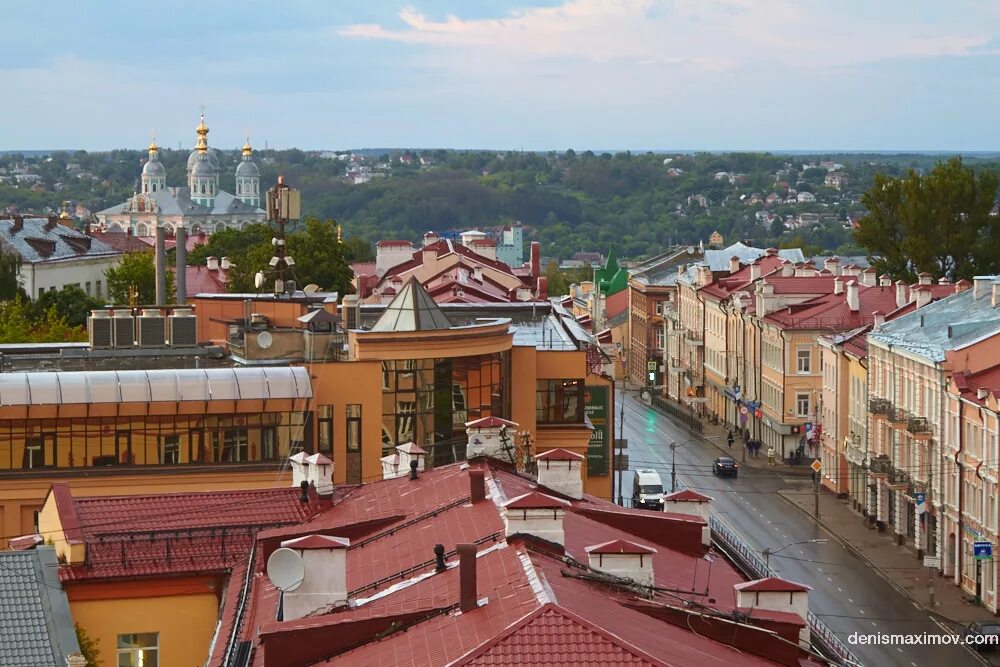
{"x": 88, "y": 289}
{"x": 39, "y": 451}
{"x": 559, "y": 402}
{"x": 659, "y": 340}
{"x": 139, "y": 650}
{"x": 234, "y": 445}
{"x": 326, "y": 428}
{"x": 354, "y": 427}
{"x": 41, "y": 291}
{"x": 803, "y": 361}
{"x": 659, "y": 307}
{"x": 802, "y": 405}
{"x": 97, "y": 290}
{"x": 405, "y": 411}
{"x": 170, "y": 449}
{"x": 268, "y": 442}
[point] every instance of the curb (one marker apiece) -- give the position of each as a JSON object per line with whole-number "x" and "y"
{"x": 881, "y": 573}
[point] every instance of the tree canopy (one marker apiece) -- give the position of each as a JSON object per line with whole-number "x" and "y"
{"x": 136, "y": 269}
{"x": 939, "y": 223}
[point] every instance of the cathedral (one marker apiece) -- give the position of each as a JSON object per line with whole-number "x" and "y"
{"x": 201, "y": 206}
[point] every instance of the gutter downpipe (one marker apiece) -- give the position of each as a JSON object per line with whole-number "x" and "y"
{"x": 961, "y": 487}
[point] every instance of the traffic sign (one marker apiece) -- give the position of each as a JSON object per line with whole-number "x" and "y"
{"x": 621, "y": 443}
{"x": 982, "y": 550}
{"x": 650, "y": 365}
{"x": 932, "y": 561}
{"x": 816, "y": 465}
{"x": 743, "y": 409}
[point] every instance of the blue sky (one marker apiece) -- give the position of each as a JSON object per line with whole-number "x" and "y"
{"x": 555, "y": 74}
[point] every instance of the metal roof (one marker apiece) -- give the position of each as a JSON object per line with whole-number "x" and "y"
{"x": 34, "y": 613}
{"x": 201, "y": 384}
{"x": 948, "y": 324}
{"x": 40, "y": 240}
{"x": 718, "y": 260}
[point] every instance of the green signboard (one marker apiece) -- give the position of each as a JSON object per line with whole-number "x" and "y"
{"x": 596, "y": 406}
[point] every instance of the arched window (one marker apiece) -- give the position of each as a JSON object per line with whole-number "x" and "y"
{"x": 140, "y": 230}
{"x": 221, "y": 227}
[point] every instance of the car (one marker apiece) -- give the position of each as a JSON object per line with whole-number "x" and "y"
{"x": 725, "y": 467}
{"x": 982, "y": 635}
{"x": 647, "y": 489}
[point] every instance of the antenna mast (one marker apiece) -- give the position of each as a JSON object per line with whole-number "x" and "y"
{"x": 283, "y": 204}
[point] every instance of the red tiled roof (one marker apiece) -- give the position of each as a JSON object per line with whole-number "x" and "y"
{"x": 687, "y": 495}
{"x": 489, "y": 422}
{"x": 831, "y": 311}
{"x": 615, "y": 303}
{"x": 363, "y": 268}
{"x": 534, "y": 501}
{"x": 772, "y": 585}
{"x": 122, "y": 241}
{"x": 738, "y": 280}
{"x": 620, "y": 547}
{"x": 558, "y": 454}
{"x": 202, "y": 280}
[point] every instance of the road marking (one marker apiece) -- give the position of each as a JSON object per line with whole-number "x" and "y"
{"x": 829, "y": 579}
{"x": 899, "y": 649}
{"x": 839, "y": 589}
{"x": 850, "y": 600}
{"x": 874, "y": 624}
{"x": 861, "y": 610}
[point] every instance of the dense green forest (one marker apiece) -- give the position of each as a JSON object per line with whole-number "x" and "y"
{"x": 569, "y": 201}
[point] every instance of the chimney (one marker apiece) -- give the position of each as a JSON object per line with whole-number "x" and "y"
{"x": 621, "y": 558}
{"x": 413, "y": 470}
{"x": 562, "y": 471}
{"x": 884, "y": 280}
{"x": 477, "y": 273}
{"x": 755, "y": 270}
{"x": 943, "y": 280}
{"x": 542, "y": 289}
{"x": 832, "y": 264}
{"x": 868, "y": 277}
{"x": 322, "y": 561}
{"x": 879, "y": 319}
{"x": 212, "y": 263}
{"x": 536, "y": 259}
{"x": 428, "y": 256}
{"x": 19, "y": 224}
{"x": 320, "y": 473}
{"x": 303, "y": 491}
{"x": 431, "y": 237}
{"x": 765, "y": 298}
{"x": 787, "y": 269}
{"x": 924, "y": 278}
{"x": 771, "y": 252}
{"x": 439, "y": 564}
{"x": 468, "y": 597}
{"x": 76, "y": 660}
{"x": 691, "y": 503}
{"x": 838, "y": 286}
{"x": 703, "y": 276}
{"x": 901, "y": 297}
{"x": 962, "y": 285}
{"x": 536, "y": 514}
{"x": 410, "y": 452}
{"x": 996, "y": 285}
{"x": 300, "y": 468}
{"x": 853, "y": 302}
{"x": 773, "y": 594}
{"x": 477, "y": 485}
{"x": 224, "y": 264}
{"x": 734, "y": 264}
{"x": 980, "y": 284}
{"x": 982, "y": 393}
{"x": 923, "y": 297}
{"x": 486, "y": 435}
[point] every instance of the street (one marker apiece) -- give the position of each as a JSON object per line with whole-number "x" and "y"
{"x": 847, "y": 595}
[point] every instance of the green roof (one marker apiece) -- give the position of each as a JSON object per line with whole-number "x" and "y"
{"x": 612, "y": 278}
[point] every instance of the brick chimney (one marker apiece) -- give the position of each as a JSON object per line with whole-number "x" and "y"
{"x": 980, "y": 286}
{"x": 324, "y": 580}
{"x": 703, "y": 275}
{"x": 562, "y": 471}
{"x": 962, "y": 285}
{"x": 691, "y": 503}
{"x": 853, "y": 301}
{"x": 773, "y": 594}
{"x": 734, "y": 264}
{"x": 624, "y": 559}
{"x": 468, "y": 595}
{"x": 431, "y": 237}
{"x": 923, "y": 296}
{"x": 832, "y": 264}
{"x": 787, "y": 269}
{"x": 536, "y": 514}
{"x": 477, "y": 485}
{"x": 879, "y": 319}
{"x": 924, "y": 278}
{"x": 755, "y": 269}
{"x": 901, "y": 297}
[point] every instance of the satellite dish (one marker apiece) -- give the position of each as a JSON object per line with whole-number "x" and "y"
{"x": 264, "y": 340}
{"x": 310, "y": 288}
{"x": 258, "y": 280}
{"x": 285, "y": 569}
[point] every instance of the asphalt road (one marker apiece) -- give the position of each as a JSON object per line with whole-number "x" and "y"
{"x": 847, "y": 595}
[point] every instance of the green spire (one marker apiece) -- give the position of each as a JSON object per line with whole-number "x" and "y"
{"x": 612, "y": 278}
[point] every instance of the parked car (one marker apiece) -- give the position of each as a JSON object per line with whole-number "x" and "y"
{"x": 982, "y": 635}
{"x": 647, "y": 489}
{"x": 725, "y": 467}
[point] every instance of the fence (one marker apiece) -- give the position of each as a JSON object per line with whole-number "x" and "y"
{"x": 748, "y": 560}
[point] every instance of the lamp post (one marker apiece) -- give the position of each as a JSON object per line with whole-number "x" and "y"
{"x": 673, "y": 459}
{"x": 768, "y": 551}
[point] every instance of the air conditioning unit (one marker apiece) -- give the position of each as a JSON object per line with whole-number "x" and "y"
{"x": 99, "y": 328}
{"x": 183, "y": 328}
{"x": 351, "y": 315}
{"x": 152, "y": 328}
{"x": 124, "y": 328}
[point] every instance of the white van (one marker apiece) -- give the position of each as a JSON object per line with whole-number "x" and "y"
{"x": 647, "y": 489}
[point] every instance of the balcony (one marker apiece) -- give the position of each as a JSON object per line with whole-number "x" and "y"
{"x": 919, "y": 428}
{"x": 879, "y": 407}
{"x": 694, "y": 338}
{"x": 881, "y": 465}
{"x": 899, "y": 418}
{"x": 696, "y": 378}
{"x": 898, "y": 477}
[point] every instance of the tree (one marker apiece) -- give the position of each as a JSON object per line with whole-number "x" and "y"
{"x": 939, "y": 223}
{"x": 18, "y": 324}
{"x": 89, "y": 647}
{"x": 70, "y": 303}
{"x": 136, "y": 269}
{"x": 10, "y": 267}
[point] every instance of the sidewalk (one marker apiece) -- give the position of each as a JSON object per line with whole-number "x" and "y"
{"x": 896, "y": 564}
{"x": 716, "y": 435}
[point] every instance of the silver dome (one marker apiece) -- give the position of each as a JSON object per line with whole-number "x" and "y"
{"x": 203, "y": 167}
{"x": 213, "y": 158}
{"x": 247, "y": 169}
{"x": 154, "y": 168}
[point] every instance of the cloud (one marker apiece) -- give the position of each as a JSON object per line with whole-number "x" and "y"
{"x": 707, "y": 34}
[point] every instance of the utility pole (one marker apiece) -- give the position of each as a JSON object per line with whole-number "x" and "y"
{"x": 616, "y": 452}
{"x": 816, "y": 495}
{"x": 283, "y": 204}
{"x": 673, "y": 467}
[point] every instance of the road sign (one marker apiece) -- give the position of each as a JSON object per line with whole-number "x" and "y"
{"x": 650, "y": 365}
{"x": 982, "y": 550}
{"x": 932, "y": 561}
{"x": 816, "y": 466}
{"x": 621, "y": 443}
{"x": 743, "y": 410}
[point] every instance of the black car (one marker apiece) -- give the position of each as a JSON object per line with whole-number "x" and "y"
{"x": 725, "y": 467}
{"x": 982, "y": 635}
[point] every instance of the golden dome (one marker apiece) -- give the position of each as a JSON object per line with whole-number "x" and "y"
{"x": 202, "y": 129}
{"x": 152, "y": 145}
{"x": 247, "y": 151}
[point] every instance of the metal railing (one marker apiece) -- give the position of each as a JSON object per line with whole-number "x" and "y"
{"x": 882, "y": 464}
{"x": 879, "y": 406}
{"x": 820, "y": 635}
{"x": 918, "y": 425}
{"x": 899, "y": 416}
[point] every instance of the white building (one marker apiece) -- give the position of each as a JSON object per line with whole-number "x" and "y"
{"x": 54, "y": 255}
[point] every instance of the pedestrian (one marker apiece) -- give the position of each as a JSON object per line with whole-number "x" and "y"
{"x": 770, "y": 455}
{"x": 730, "y": 438}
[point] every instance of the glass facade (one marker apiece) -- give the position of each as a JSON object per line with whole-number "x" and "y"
{"x": 428, "y": 401}
{"x": 87, "y": 442}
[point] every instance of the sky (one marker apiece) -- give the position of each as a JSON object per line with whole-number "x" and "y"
{"x": 900, "y": 75}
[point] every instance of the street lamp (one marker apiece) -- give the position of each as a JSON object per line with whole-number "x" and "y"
{"x": 673, "y": 459}
{"x": 768, "y": 551}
